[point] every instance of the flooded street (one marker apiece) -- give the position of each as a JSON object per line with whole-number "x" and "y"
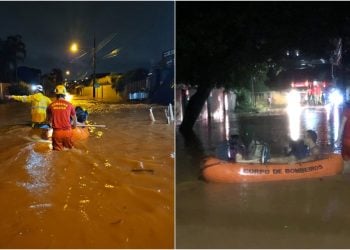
{"x": 285, "y": 214}
{"x": 114, "y": 190}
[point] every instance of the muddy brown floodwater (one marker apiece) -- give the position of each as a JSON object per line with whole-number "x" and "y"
{"x": 285, "y": 214}
{"x": 114, "y": 190}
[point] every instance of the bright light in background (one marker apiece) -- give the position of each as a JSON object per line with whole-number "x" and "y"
{"x": 226, "y": 101}
{"x": 68, "y": 97}
{"x": 67, "y": 72}
{"x": 33, "y": 87}
{"x": 336, "y": 122}
{"x": 74, "y": 47}
{"x": 218, "y": 114}
{"x": 294, "y": 125}
{"x": 227, "y": 127}
{"x": 293, "y": 98}
{"x": 294, "y": 111}
{"x": 328, "y": 108}
{"x": 310, "y": 119}
{"x": 335, "y": 97}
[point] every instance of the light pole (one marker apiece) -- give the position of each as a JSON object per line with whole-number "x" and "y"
{"x": 94, "y": 66}
{"x": 66, "y": 78}
{"x": 74, "y": 49}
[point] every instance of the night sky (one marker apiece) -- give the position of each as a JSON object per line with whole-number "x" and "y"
{"x": 143, "y": 31}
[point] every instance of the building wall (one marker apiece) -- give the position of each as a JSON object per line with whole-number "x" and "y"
{"x": 4, "y": 89}
{"x": 105, "y": 92}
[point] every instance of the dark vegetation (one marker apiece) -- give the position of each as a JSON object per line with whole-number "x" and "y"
{"x": 231, "y": 44}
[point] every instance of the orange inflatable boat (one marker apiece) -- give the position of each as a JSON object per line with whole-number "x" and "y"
{"x": 216, "y": 170}
{"x": 80, "y": 133}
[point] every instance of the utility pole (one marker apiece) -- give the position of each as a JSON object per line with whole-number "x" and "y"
{"x": 253, "y": 92}
{"x": 94, "y": 66}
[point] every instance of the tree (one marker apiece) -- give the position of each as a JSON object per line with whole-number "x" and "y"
{"x": 214, "y": 48}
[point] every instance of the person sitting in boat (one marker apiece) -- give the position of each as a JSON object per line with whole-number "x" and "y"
{"x": 253, "y": 147}
{"x": 254, "y": 151}
{"x": 301, "y": 150}
{"x": 81, "y": 114}
{"x": 305, "y": 148}
{"x": 297, "y": 149}
{"x": 257, "y": 152}
{"x": 310, "y": 139}
{"x": 237, "y": 149}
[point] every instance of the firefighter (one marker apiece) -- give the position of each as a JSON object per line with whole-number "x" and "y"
{"x": 39, "y": 102}
{"x": 60, "y": 113}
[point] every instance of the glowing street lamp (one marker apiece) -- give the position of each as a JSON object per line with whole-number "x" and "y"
{"x": 67, "y": 72}
{"x": 75, "y": 48}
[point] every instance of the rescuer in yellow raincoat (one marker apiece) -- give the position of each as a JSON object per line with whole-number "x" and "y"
{"x": 39, "y": 102}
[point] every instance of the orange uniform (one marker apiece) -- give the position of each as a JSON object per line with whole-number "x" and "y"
{"x": 60, "y": 112}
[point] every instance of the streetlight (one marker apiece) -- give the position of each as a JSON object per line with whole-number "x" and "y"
{"x": 75, "y": 48}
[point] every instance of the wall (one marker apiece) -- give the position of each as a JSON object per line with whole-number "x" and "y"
{"x": 105, "y": 92}
{"x": 3, "y": 89}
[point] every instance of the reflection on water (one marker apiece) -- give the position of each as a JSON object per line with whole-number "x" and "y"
{"x": 286, "y": 214}
{"x": 294, "y": 112}
{"x": 114, "y": 190}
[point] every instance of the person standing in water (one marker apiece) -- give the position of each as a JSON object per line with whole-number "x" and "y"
{"x": 39, "y": 102}
{"x": 60, "y": 113}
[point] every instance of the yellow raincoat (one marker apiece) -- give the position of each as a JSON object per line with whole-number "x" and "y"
{"x": 39, "y": 104}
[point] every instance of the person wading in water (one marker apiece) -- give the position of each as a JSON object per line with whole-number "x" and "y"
{"x": 59, "y": 113}
{"x": 39, "y": 102}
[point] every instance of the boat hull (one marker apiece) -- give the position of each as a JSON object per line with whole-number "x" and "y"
{"x": 80, "y": 133}
{"x": 216, "y": 170}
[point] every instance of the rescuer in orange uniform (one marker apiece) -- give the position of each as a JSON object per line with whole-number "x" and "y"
{"x": 39, "y": 105}
{"x": 59, "y": 114}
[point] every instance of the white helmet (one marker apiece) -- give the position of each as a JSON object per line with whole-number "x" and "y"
{"x": 39, "y": 88}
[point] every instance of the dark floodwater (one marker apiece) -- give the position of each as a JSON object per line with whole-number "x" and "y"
{"x": 286, "y": 214}
{"x": 88, "y": 197}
